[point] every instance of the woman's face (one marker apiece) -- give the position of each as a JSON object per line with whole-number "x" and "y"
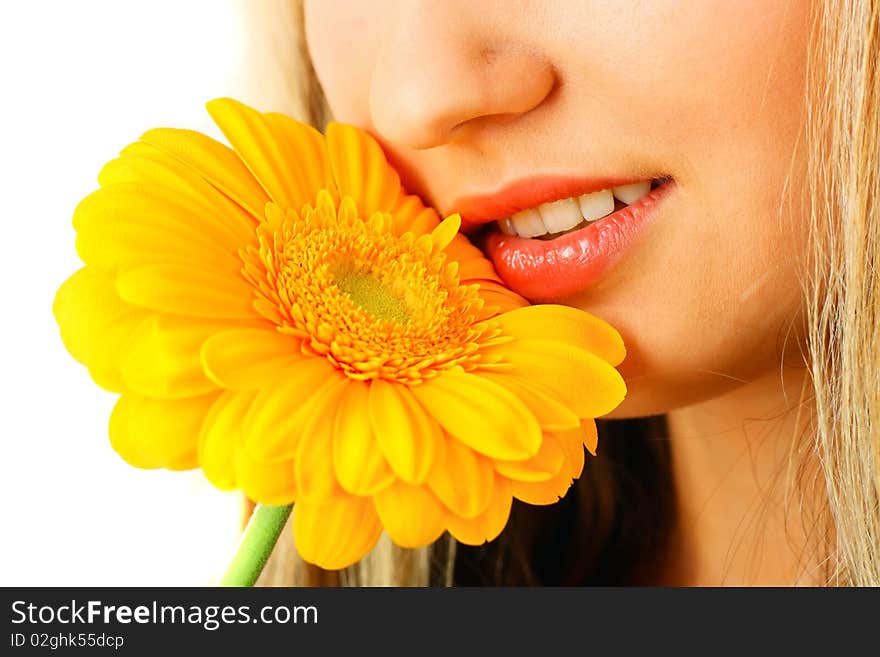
{"x": 543, "y": 101}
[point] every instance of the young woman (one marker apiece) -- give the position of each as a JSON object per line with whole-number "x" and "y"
{"x": 746, "y": 138}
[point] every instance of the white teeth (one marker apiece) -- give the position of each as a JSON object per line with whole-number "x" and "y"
{"x": 528, "y": 223}
{"x": 560, "y": 215}
{"x": 596, "y": 205}
{"x": 564, "y": 214}
{"x": 631, "y": 193}
{"x": 506, "y": 226}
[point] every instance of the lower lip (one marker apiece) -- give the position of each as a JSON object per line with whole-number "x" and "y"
{"x": 548, "y": 270}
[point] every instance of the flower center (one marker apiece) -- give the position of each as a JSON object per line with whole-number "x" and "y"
{"x": 371, "y": 295}
{"x": 375, "y": 304}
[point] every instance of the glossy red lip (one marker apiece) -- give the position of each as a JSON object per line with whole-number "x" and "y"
{"x": 527, "y": 193}
{"x": 550, "y": 270}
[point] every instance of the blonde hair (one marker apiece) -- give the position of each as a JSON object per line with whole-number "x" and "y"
{"x": 842, "y": 293}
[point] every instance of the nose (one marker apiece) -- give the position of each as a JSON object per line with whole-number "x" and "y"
{"x": 442, "y": 66}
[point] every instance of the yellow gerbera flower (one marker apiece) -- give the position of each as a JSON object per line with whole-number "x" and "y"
{"x": 285, "y": 316}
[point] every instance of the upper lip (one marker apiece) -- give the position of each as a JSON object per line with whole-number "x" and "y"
{"x": 527, "y": 193}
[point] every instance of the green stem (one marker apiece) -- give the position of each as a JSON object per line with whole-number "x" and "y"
{"x": 259, "y": 537}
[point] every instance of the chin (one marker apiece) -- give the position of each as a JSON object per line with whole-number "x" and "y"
{"x": 655, "y": 395}
{"x": 636, "y": 406}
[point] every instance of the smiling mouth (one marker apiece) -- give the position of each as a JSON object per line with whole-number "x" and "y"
{"x": 562, "y": 253}
{"x": 550, "y": 220}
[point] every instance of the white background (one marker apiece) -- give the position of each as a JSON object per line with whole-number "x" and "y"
{"x": 80, "y": 80}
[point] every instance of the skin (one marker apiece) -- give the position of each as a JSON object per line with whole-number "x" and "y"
{"x": 466, "y": 97}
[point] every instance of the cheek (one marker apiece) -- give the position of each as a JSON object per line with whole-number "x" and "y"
{"x": 710, "y": 316}
{"x": 713, "y": 295}
{"x": 341, "y": 39}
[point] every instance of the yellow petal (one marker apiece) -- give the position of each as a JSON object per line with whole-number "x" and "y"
{"x": 162, "y": 359}
{"x": 443, "y": 234}
{"x": 159, "y": 433}
{"x": 585, "y": 383}
{"x": 408, "y": 437}
{"x": 590, "y": 437}
{"x": 574, "y": 458}
{"x": 96, "y": 325}
{"x": 482, "y": 414}
{"x": 544, "y": 465}
{"x": 495, "y": 294}
{"x": 337, "y": 532}
{"x": 215, "y": 162}
{"x": 188, "y": 290}
{"x": 473, "y": 265}
{"x": 220, "y": 435}
{"x": 131, "y": 224}
{"x": 551, "y": 413}
{"x": 542, "y": 492}
{"x": 573, "y": 442}
{"x": 462, "y": 479}
{"x": 549, "y": 491}
{"x": 361, "y": 170}
{"x": 565, "y": 324}
{"x": 266, "y": 483}
{"x": 486, "y": 526}
{"x": 410, "y": 215}
{"x": 160, "y": 171}
{"x": 248, "y": 358}
{"x": 315, "y": 474}
{"x": 283, "y": 155}
{"x": 357, "y": 458}
{"x": 307, "y": 147}
{"x": 279, "y": 414}
{"x": 412, "y": 515}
